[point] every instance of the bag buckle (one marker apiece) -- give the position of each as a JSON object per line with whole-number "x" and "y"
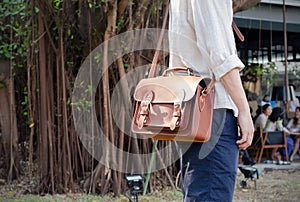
{"x": 176, "y": 115}
{"x": 177, "y": 109}
{"x": 144, "y": 109}
{"x": 204, "y": 91}
{"x": 202, "y": 97}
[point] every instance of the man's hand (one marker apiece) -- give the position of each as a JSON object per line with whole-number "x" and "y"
{"x": 246, "y": 130}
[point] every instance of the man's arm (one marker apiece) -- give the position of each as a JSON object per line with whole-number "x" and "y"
{"x": 234, "y": 87}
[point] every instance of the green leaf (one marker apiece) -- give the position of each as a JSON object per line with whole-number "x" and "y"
{"x": 36, "y": 9}
{"x": 7, "y": 54}
{"x": 19, "y": 10}
{"x": 97, "y": 57}
{"x": 6, "y": 13}
{"x": 57, "y": 3}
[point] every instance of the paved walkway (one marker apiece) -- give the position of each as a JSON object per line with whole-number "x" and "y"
{"x": 269, "y": 167}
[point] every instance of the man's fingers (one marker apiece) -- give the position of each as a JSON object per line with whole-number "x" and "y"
{"x": 244, "y": 142}
{"x": 246, "y": 130}
{"x": 244, "y": 145}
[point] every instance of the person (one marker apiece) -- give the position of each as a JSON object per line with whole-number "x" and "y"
{"x": 208, "y": 170}
{"x": 265, "y": 100}
{"x": 261, "y": 121}
{"x": 293, "y": 126}
{"x": 257, "y": 113}
{"x": 275, "y": 123}
{"x": 263, "y": 117}
{"x": 293, "y": 103}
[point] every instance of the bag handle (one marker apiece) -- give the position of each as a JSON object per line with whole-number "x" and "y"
{"x": 188, "y": 70}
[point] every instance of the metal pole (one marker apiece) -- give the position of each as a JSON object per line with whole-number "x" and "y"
{"x": 150, "y": 167}
{"x": 285, "y": 60}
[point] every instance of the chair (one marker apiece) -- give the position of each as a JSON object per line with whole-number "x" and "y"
{"x": 268, "y": 140}
{"x": 254, "y": 149}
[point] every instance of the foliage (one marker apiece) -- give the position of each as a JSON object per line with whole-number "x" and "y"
{"x": 281, "y": 184}
{"x": 253, "y": 72}
{"x": 52, "y": 38}
{"x": 270, "y": 71}
{"x": 294, "y": 69}
{"x": 15, "y": 30}
{"x": 70, "y": 30}
{"x": 165, "y": 195}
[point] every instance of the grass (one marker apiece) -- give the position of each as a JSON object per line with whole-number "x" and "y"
{"x": 167, "y": 195}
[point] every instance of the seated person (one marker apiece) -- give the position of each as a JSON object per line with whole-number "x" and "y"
{"x": 265, "y": 100}
{"x": 293, "y": 126}
{"x": 263, "y": 117}
{"x": 260, "y": 121}
{"x": 274, "y": 123}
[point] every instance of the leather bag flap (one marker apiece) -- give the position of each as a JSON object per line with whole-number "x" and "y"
{"x": 167, "y": 89}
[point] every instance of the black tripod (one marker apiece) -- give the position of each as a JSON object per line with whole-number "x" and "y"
{"x": 133, "y": 194}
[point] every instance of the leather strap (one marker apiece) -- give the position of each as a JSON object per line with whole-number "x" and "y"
{"x": 204, "y": 93}
{"x": 155, "y": 58}
{"x": 206, "y": 90}
{"x": 176, "y": 116}
{"x": 237, "y": 31}
{"x": 144, "y": 109}
{"x": 177, "y": 111}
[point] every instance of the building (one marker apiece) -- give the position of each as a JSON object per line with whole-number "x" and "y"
{"x": 263, "y": 29}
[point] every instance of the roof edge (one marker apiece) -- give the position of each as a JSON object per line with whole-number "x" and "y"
{"x": 279, "y": 2}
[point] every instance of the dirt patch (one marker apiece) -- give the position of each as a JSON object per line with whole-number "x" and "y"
{"x": 275, "y": 183}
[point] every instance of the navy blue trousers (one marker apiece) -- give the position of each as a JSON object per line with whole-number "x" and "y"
{"x": 208, "y": 170}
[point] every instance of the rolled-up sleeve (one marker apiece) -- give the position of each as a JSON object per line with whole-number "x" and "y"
{"x": 228, "y": 64}
{"x": 215, "y": 37}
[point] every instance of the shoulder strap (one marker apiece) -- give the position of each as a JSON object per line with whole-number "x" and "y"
{"x": 237, "y": 31}
{"x": 155, "y": 58}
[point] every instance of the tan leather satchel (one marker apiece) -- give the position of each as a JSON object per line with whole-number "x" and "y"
{"x": 173, "y": 106}
{"x": 178, "y": 107}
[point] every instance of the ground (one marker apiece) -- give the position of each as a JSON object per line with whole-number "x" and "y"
{"x": 275, "y": 183}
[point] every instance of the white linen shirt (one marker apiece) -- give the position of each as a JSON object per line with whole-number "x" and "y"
{"x": 201, "y": 37}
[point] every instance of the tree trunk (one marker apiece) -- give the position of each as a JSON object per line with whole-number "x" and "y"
{"x": 63, "y": 34}
{"x": 43, "y": 138}
{"x": 8, "y": 122}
